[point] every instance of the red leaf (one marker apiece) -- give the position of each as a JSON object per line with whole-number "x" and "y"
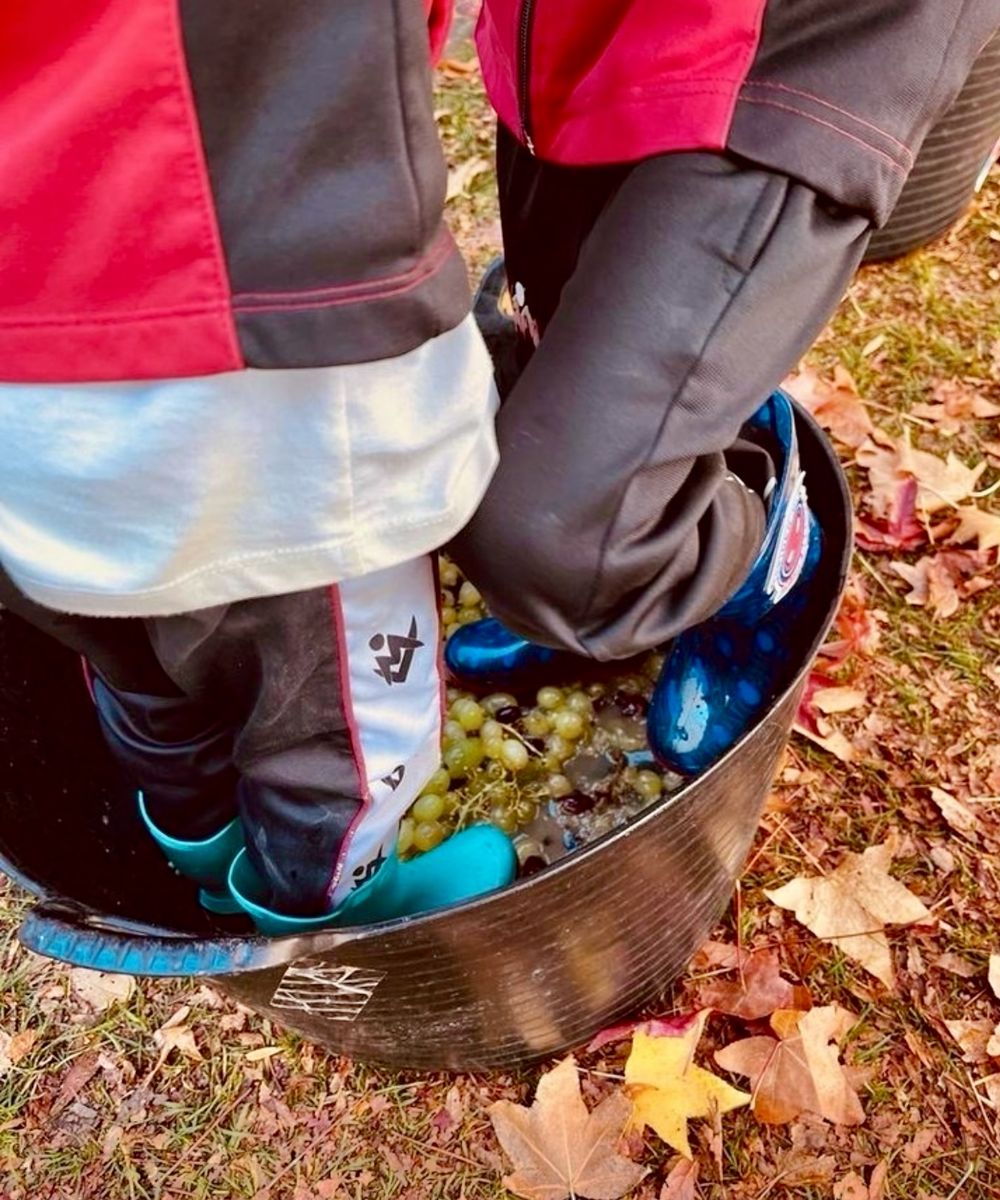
{"x": 901, "y": 530}
{"x": 675, "y": 1026}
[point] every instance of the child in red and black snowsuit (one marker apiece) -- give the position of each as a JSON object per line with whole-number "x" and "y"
{"x": 242, "y": 402}
{"x": 686, "y": 190}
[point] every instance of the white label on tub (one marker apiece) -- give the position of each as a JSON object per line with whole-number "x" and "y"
{"x": 334, "y": 993}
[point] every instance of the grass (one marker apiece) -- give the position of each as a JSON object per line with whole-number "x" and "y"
{"x": 306, "y": 1125}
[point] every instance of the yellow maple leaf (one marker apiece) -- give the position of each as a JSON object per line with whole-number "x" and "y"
{"x": 668, "y": 1090}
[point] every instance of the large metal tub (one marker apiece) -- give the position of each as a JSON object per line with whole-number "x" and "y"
{"x": 513, "y": 977}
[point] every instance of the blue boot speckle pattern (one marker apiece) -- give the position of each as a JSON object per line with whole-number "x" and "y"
{"x": 720, "y": 676}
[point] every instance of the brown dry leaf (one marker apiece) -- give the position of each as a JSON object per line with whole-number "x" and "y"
{"x": 834, "y": 403}
{"x": 682, "y": 1182}
{"x": 941, "y": 483}
{"x": 100, "y": 990}
{"x": 560, "y": 1149}
{"x": 955, "y": 964}
{"x": 851, "y": 1187}
{"x": 955, "y": 401}
{"x": 941, "y": 581}
{"x": 899, "y": 529}
{"x": 838, "y": 699}
{"x": 958, "y": 814}
{"x": 757, "y": 993}
{"x": 460, "y": 178}
{"x": 851, "y": 906}
{"x": 13, "y": 1049}
{"x": 978, "y": 526}
{"x": 175, "y": 1035}
{"x": 799, "y": 1071}
{"x": 972, "y": 1038}
{"x": 261, "y": 1054}
{"x": 75, "y": 1080}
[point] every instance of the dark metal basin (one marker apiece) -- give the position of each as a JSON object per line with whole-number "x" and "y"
{"x": 516, "y": 976}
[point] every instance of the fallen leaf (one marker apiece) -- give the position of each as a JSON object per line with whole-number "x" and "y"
{"x": 682, "y": 1182}
{"x": 941, "y": 581}
{"x": 974, "y": 525}
{"x": 994, "y": 974}
{"x": 655, "y": 1027}
{"x": 811, "y": 723}
{"x": 834, "y": 403}
{"x": 941, "y": 482}
{"x": 972, "y": 1038}
{"x": 856, "y": 623}
{"x": 799, "y": 1071}
{"x": 558, "y": 1148}
{"x": 13, "y": 1049}
{"x": 75, "y": 1080}
{"x": 851, "y": 906}
{"x": 100, "y": 990}
{"x": 851, "y": 1187}
{"x": 955, "y": 401}
{"x": 757, "y": 993}
{"x": 838, "y": 699}
{"x": 261, "y": 1054}
{"x": 876, "y": 1183}
{"x": 453, "y": 68}
{"x": 958, "y": 815}
{"x": 899, "y": 528}
{"x": 461, "y": 177}
{"x": 174, "y": 1035}
{"x": 955, "y": 964}
{"x": 668, "y": 1090}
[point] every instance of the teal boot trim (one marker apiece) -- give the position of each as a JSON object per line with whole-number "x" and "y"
{"x": 206, "y": 862}
{"x": 469, "y": 864}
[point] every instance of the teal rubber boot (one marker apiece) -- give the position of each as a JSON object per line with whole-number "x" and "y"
{"x": 469, "y": 864}
{"x": 206, "y": 862}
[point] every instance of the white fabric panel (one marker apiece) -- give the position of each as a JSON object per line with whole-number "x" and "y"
{"x": 390, "y": 643}
{"x": 147, "y": 499}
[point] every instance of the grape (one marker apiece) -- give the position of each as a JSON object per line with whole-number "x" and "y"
{"x": 448, "y": 615}
{"x": 467, "y": 615}
{"x": 450, "y": 629}
{"x": 463, "y": 758}
{"x": 648, "y": 784}
{"x": 580, "y": 702}
{"x": 558, "y": 786}
{"x": 405, "y": 839}
{"x": 510, "y": 714}
{"x": 532, "y": 865}
{"x": 568, "y": 725}
{"x": 503, "y": 818}
{"x": 468, "y": 714}
{"x": 513, "y": 754}
{"x": 452, "y": 694}
{"x": 557, "y": 747}
{"x": 653, "y": 665}
{"x": 525, "y": 810}
{"x": 576, "y": 803}
{"x": 452, "y": 732}
{"x": 428, "y": 808}
{"x": 427, "y": 835}
{"x": 448, "y": 573}
{"x": 549, "y": 697}
{"x": 498, "y": 700}
{"x": 468, "y": 595}
{"x": 537, "y": 723}
{"x": 491, "y": 731}
{"x": 439, "y": 782}
{"x": 493, "y": 748}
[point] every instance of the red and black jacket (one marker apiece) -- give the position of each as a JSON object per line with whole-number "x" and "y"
{"x": 836, "y": 93}
{"x": 195, "y": 186}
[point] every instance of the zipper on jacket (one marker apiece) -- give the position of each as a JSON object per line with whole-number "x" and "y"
{"x": 524, "y": 68}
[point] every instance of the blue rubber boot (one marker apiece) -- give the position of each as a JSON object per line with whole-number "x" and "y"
{"x": 469, "y": 864}
{"x": 720, "y": 676}
{"x": 485, "y": 654}
{"x": 206, "y": 862}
